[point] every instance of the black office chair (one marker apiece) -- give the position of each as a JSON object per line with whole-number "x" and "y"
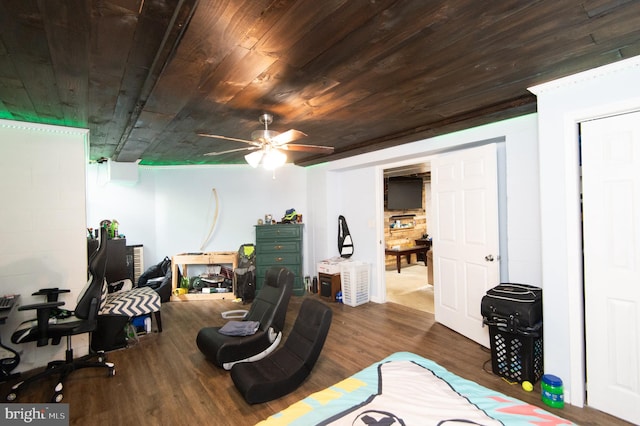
{"x": 288, "y": 367}
{"x": 268, "y": 309}
{"x": 53, "y": 324}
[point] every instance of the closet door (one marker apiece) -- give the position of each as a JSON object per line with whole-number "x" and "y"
{"x": 611, "y": 231}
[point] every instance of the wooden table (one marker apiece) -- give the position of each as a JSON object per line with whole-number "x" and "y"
{"x": 211, "y": 258}
{"x": 398, "y": 253}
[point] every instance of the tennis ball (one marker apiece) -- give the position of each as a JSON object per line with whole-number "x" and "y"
{"x": 527, "y": 386}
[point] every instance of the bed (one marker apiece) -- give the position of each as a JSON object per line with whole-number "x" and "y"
{"x": 408, "y": 389}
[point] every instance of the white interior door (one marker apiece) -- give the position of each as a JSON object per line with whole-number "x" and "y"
{"x": 465, "y": 237}
{"x": 611, "y": 215}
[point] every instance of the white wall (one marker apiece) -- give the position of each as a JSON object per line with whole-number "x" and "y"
{"x": 562, "y": 104}
{"x": 42, "y": 223}
{"x": 130, "y": 202}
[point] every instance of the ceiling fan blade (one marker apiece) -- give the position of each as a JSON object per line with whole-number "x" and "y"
{"x": 206, "y": 135}
{"x": 250, "y": 148}
{"x": 286, "y": 137}
{"x": 308, "y": 148}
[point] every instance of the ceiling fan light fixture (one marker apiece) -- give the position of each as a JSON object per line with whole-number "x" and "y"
{"x": 273, "y": 159}
{"x": 254, "y": 158}
{"x": 268, "y": 145}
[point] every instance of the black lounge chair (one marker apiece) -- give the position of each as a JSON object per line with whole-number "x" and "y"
{"x": 284, "y": 370}
{"x": 269, "y": 309}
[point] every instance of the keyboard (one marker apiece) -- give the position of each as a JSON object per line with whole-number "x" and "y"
{"x": 6, "y": 302}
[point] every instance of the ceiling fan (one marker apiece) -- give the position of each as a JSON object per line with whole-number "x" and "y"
{"x": 268, "y": 145}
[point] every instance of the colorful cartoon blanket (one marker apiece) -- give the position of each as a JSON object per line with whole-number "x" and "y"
{"x": 406, "y": 389}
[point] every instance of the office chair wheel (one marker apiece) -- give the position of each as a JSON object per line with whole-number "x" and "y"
{"x": 57, "y": 393}
{"x": 14, "y": 391}
{"x": 111, "y": 372}
{"x": 9, "y": 364}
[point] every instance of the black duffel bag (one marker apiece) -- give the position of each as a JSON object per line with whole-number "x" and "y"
{"x": 516, "y": 308}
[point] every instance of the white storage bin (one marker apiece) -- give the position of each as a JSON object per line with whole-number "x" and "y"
{"x": 329, "y": 267}
{"x": 354, "y": 277}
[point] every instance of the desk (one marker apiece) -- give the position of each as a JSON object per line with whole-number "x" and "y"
{"x": 398, "y": 253}
{"x": 211, "y": 258}
{"x": 8, "y": 364}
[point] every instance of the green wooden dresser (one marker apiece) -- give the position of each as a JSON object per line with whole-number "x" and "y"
{"x": 280, "y": 245}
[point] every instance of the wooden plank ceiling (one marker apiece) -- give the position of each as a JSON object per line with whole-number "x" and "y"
{"x": 146, "y": 76}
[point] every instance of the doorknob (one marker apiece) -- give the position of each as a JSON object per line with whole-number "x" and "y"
{"x": 489, "y": 258}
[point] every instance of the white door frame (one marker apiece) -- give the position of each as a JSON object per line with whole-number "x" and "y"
{"x": 381, "y": 283}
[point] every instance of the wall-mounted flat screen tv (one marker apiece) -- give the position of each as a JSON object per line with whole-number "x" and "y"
{"x": 404, "y": 193}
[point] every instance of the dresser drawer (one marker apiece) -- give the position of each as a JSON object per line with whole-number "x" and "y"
{"x": 271, "y": 247}
{"x": 262, "y": 271}
{"x": 279, "y": 259}
{"x": 278, "y": 232}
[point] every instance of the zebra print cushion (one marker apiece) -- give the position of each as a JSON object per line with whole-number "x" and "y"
{"x": 132, "y": 303}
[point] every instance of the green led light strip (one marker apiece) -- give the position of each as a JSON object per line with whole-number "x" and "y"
{"x": 183, "y": 163}
{"x": 47, "y": 128}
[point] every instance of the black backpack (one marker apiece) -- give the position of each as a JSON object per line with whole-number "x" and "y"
{"x": 158, "y": 270}
{"x": 246, "y": 255}
{"x": 161, "y": 269}
{"x": 246, "y": 283}
{"x": 245, "y": 273}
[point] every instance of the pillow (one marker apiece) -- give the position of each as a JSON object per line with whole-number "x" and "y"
{"x": 239, "y": 328}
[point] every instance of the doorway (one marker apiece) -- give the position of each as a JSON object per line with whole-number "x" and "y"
{"x": 404, "y": 227}
{"x": 468, "y": 229}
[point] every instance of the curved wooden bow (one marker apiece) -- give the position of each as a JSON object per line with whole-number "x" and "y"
{"x": 214, "y": 221}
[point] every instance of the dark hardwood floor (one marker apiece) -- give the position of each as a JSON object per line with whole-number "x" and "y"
{"x": 165, "y": 380}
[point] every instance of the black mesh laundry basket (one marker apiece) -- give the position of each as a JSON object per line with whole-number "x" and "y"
{"x": 513, "y": 313}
